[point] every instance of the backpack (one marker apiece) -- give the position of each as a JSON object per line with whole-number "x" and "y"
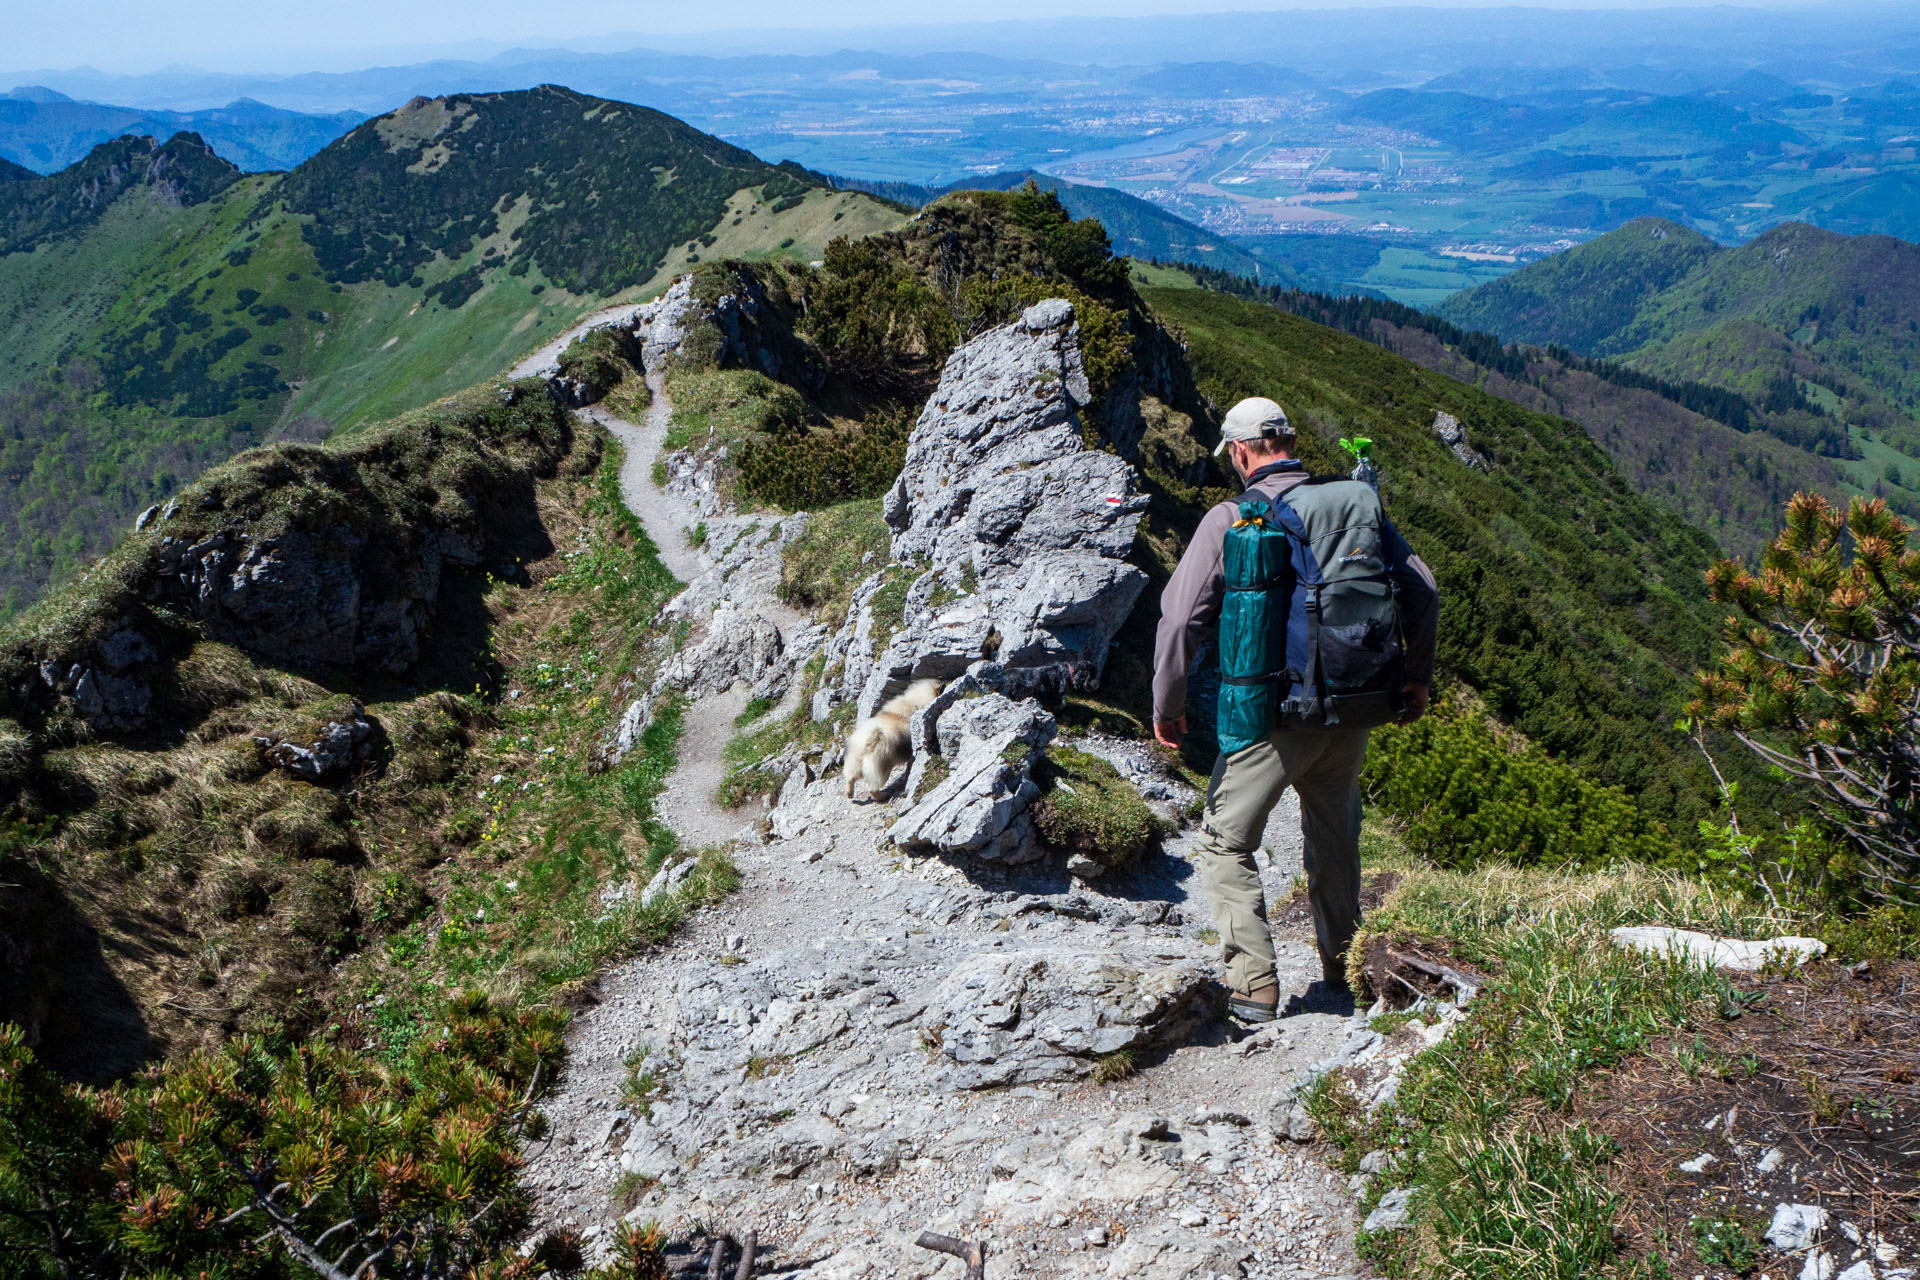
{"x": 1310, "y": 631}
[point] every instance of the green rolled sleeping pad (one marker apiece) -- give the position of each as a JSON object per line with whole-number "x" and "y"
{"x": 1256, "y": 562}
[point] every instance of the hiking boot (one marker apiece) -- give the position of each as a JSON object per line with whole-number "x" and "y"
{"x": 1255, "y": 1006}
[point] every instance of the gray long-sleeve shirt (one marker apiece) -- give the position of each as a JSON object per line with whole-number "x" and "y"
{"x": 1191, "y": 600}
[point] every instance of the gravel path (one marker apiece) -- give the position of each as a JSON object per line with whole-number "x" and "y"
{"x": 547, "y": 357}
{"x": 827, "y": 1122}
{"x": 1011, "y": 1164}
{"x": 687, "y": 804}
{"x": 666, "y": 516}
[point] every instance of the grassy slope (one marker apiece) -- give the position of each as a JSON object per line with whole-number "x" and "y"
{"x": 1572, "y": 606}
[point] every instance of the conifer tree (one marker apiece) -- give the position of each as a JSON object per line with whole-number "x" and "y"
{"x": 1821, "y": 678}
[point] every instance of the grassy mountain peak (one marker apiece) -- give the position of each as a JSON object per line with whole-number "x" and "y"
{"x": 160, "y": 312}
{"x": 438, "y": 174}
{"x": 1581, "y": 298}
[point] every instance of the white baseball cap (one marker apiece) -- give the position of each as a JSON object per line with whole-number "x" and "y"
{"x": 1255, "y": 418}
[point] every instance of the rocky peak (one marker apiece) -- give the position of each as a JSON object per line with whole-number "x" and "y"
{"x": 1019, "y": 530}
{"x": 1454, "y": 436}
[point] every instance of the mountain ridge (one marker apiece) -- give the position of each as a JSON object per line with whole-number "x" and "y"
{"x": 45, "y": 131}
{"x": 160, "y": 311}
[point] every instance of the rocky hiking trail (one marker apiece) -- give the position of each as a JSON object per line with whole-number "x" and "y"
{"x": 866, "y": 1041}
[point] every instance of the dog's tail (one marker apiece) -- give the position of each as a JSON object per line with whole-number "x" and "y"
{"x": 918, "y": 696}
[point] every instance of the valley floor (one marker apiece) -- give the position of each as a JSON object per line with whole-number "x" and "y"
{"x": 771, "y": 1071}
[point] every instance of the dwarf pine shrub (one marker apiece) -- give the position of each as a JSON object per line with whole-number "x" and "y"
{"x": 1467, "y": 798}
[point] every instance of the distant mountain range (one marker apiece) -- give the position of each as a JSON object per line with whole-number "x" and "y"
{"x": 1673, "y": 50}
{"x": 160, "y": 310}
{"x": 44, "y": 131}
{"x": 1409, "y": 156}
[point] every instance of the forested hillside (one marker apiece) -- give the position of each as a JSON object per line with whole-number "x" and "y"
{"x": 159, "y": 312}
{"x": 181, "y": 171}
{"x": 1819, "y": 331}
{"x": 1703, "y": 451}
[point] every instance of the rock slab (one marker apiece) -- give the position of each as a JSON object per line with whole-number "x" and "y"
{"x": 1705, "y": 951}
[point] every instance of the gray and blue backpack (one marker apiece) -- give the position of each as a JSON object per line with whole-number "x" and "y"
{"x": 1310, "y": 633}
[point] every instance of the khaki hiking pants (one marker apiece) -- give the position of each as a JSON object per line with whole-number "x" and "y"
{"x": 1323, "y": 765}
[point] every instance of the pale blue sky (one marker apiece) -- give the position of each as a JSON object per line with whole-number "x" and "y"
{"x": 298, "y": 35}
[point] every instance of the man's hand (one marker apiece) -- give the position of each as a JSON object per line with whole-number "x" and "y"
{"x": 1416, "y": 703}
{"x": 1169, "y": 734}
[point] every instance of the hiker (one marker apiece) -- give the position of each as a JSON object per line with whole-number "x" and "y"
{"x": 1329, "y": 632}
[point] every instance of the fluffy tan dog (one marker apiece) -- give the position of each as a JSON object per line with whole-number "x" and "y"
{"x": 879, "y": 744}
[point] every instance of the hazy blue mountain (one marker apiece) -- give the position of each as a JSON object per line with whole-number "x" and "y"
{"x": 1224, "y": 80}
{"x": 47, "y": 131}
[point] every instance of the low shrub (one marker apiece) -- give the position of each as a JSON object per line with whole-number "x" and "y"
{"x": 811, "y": 466}
{"x": 1086, "y": 807}
{"x": 597, "y": 361}
{"x": 1467, "y": 797}
{"x": 233, "y": 1158}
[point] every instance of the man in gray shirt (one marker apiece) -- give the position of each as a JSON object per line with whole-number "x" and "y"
{"x": 1322, "y": 764}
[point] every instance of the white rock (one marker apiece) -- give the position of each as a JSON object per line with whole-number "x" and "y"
{"x": 1390, "y": 1214}
{"x": 1819, "y": 1266}
{"x": 1705, "y": 951}
{"x": 1699, "y": 1163}
{"x": 1045, "y": 1013}
{"x": 1774, "y": 1158}
{"x": 1862, "y": 1270}
{"x": 1796, "y": 1226}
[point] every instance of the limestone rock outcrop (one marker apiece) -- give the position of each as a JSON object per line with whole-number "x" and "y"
{"x": 1454, "y": 436}
{"x": 107, "y": 684}
{"x": 1044, "y": 1014}
{"x": 1013, "y": 532}
{"x": 744, "y": 326}
{"x": 331, "y": 751}
{"x": 981, "y": 807}
{"x": 315, "y": 595}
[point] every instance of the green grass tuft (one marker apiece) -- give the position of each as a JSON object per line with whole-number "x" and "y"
{"x": 1086, "y": 807}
